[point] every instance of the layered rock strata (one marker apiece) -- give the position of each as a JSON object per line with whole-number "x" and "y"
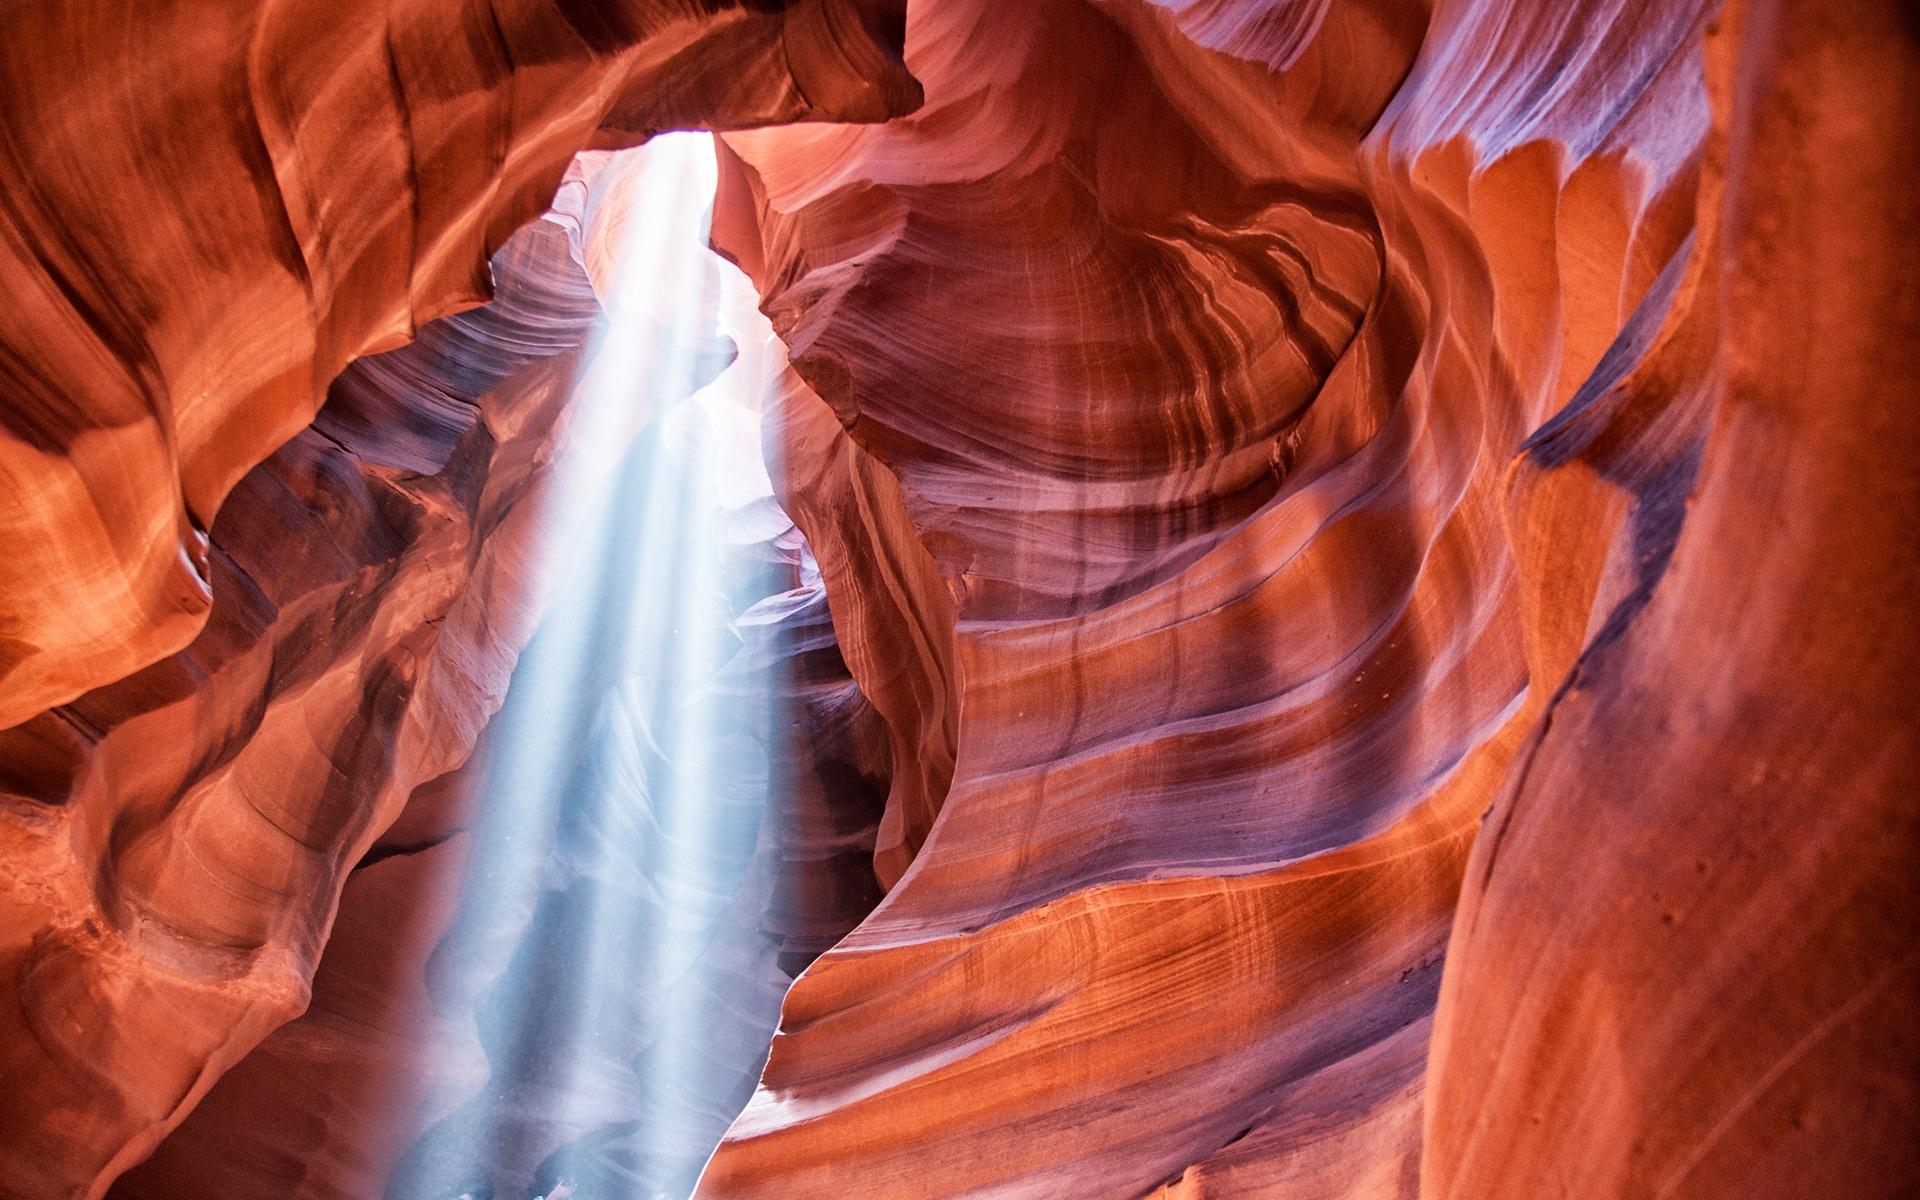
{"x": 209, "y": 213}
{"x": 1284, "y": 428}
{"x": 428, "y": 1057}
{"x": 178, "y": 839}
{"x": 1371, "y": 543}
{"x": 211, "y": 210}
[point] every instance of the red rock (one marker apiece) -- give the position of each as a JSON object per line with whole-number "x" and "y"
{"x": 200, "y": 239}
{"x": 1693, "y": 910}
{"x": 1203, "y": 387}
{"x": 212, "y": 213}
{"x": 1369, "y": 548}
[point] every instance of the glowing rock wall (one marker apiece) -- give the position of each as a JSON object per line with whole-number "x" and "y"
{"x": 215, "y": 208}
{"x": 1426, "y": 508}
{"x": 1377, "y": 538}
{"x": 210, "y": 210}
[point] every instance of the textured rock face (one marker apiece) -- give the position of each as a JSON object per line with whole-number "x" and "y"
{"x": 1369, "y": 545}
{"x": 1723, "y": 1001}
{"x": 424, "y": 1059}
{"x": 209, "y": 212}
{"x": 177, "y": 839}
{"x": 1330, "y": 424}
{"x": 198, "y": 240}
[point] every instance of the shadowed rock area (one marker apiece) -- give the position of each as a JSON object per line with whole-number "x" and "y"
{"x": 1345, "y": 633}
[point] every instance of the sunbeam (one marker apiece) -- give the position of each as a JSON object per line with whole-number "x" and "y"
{"x": 629, "y": 768}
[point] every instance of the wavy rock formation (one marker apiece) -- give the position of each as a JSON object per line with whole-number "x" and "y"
{"x": 178, "y": 839}
{"x": 498, "y": 381}
{"x": 1302, "y": 406}
{"x": 285, "y": 191}
{"x": 1704, "y": 963}
{"x": 197, "y": 240}
{"x": 1369, "y": 556}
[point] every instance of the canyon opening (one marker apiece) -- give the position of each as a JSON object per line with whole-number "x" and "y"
{"x": 919, "y": 599}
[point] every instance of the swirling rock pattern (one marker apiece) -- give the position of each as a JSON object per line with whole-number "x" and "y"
{"x": 178, "y": 839}
{"x": 1370, "y": 542}
{"x": 1724, "y": 1001}
{"x": 197, "y": 239}
{"x": 1309, "y": 410}
{"x": 208, "y": 213}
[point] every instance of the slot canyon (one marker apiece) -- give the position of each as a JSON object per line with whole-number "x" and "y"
{"x": 991, "y": 599}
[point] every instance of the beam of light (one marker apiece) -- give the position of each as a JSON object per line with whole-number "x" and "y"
{"x": 625, "y": 781}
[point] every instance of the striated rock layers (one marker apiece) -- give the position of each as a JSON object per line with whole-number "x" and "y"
{"x": 211, "y": 210}
{"x": 1371, "y": 544}
{"x": 177, "y": 840}
{"x": 1282, "y": 436}
{"x": 426, "y": 1058}
{"x": 205, "y": 213}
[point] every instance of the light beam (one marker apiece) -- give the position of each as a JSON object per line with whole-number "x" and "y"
{"x": 627, "y": 774}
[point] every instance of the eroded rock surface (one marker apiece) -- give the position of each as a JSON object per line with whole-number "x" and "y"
{"x": 1363, "y": 450}
{"x": 209, "y": 212}
{"x": 1369, "y": 543}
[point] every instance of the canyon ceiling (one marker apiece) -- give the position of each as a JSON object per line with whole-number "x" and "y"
{"x": 1349, "y": 598}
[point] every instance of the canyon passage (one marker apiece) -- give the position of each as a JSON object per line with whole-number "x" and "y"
{"x": 919, "y": 599}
